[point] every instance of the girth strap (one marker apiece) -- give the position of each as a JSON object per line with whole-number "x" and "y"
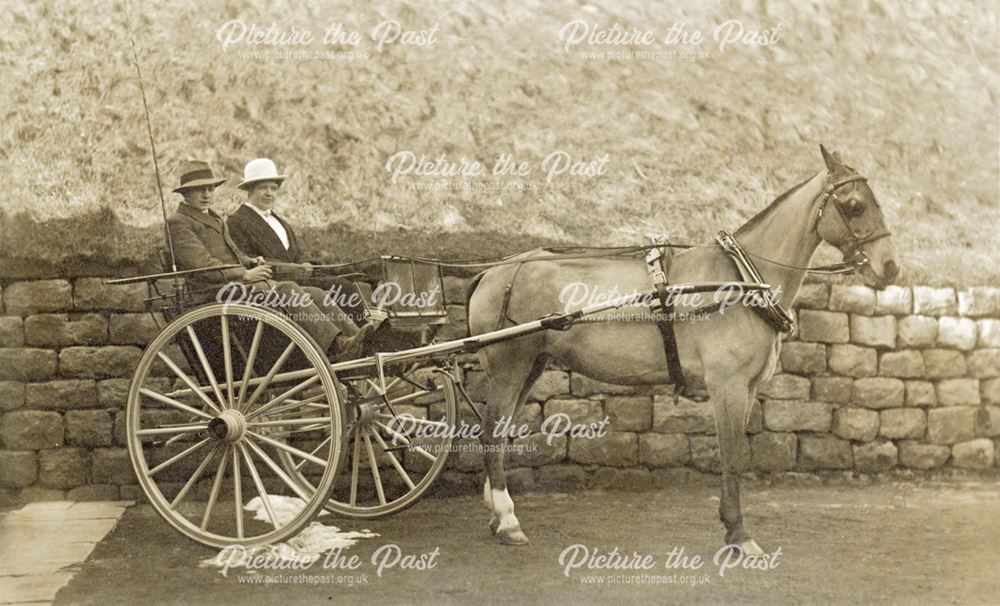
{"x": 658, "y": 261}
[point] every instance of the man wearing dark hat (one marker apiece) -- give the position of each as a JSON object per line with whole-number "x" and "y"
{"x": 201, "y": 239}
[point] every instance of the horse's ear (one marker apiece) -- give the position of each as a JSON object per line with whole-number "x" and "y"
{"x": 831, "y": 160}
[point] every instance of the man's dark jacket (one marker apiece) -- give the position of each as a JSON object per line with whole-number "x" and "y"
{"x": 254, "y": 236}
{"x": 202, "y": 240}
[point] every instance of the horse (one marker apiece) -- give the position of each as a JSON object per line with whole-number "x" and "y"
{"x": 730, "y": 354}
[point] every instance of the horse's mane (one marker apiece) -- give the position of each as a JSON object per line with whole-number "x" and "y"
{"x": 754, "y": 220}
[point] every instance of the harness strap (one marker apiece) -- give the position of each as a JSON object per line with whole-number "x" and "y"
{"x": 770, "y": 310}
{"x": 658, "y": 262}
{"x": 505, "y": 306}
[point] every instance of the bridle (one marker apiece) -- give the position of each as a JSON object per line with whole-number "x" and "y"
{"x": 854, "y": 256}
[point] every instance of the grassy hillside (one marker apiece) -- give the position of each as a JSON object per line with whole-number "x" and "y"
{"x": 906, "y": 91}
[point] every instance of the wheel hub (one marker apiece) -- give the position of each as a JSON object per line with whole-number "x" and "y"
{"x": 367, "y": 413}
{"x": 230, "y": 426}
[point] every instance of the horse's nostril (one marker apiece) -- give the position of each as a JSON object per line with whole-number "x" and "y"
{"x": 890, "y": 271}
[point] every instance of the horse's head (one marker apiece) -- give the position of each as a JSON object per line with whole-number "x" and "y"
{"x": 851, "y": 219}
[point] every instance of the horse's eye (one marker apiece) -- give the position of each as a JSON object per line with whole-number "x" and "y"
{"x": 854, "y": 208}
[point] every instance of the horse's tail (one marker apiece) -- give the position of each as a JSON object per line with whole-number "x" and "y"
{"x": 468, "y": 296}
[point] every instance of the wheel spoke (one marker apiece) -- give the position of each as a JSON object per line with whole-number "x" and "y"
{"x": 289, "y": 449}
{"x": 187, "y": 381}
{"x": 394, "y": 460}
{"x": 177, "y": 457}
{"x": 296, "y": 421}
{"x": 194, "y": 478}
{"x": 173, "y": 429}
{"x": 227, "y": 361}
{"x": 355, "y": 463}
{"x": 325, "y": 441}
{"x": 270, "y": 375}
{"x": 259, "y": 485}
{"x": 416, "y": 420}
{"x": 374, "y": 467}
{"x": 216, "y": 485}
{"x": 251, "y": 358}
{"x": 284, "y": 396}
{"x": 406, "y": 441}
{"x": 308, "y": 402}
{"x": 278, "y": 472}
{"x": 172, "y": 402}
{"x": 237, "y": 493}
{"x": 205, "y": 365}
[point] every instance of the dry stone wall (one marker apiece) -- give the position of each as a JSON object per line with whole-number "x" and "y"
{"x": 905, "y": 378}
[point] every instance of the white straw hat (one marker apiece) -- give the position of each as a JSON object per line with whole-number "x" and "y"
{"x": 260, "y": 169}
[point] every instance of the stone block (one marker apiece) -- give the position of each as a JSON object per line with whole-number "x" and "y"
{"x": 824, "y": 326}
{"x": 988, "y": 422}
{"x": 31, "y": 430}
{"x": 111, "y": 466}
{"x": 132, "y": 329}
{"x": 521, "y": 480}
{"x": 560, "y": 478}
{"x": 875, "y": 457}
{"x": 873, "y": 331}
{"x": 852, "y": 298}
{"x": 934, "y": 301}
{"x": 916, "y": 455}
{"x": 878, "y": 393}
{"x": 705, "y": 454}
{"x": 857, "y": 424}
{"x": 94, "y": 492}
{"x": 814, "y": 295}
{"x": 62, "y": 468}
{"x": 61, "y": 330}
{"x": 978, "y": 302}
{"x": 88, "y": 428}
{"x": 530, "y": 415}
{"x": 896, "y": 423}
{"x": 585, "y": 386}
{"x": 18, "y": 468}
{"x": 791, "y": 415}
{"x": 803, "y": 358}
{"x": 853, "y": 361}
{"x": 39, "y": 296}
{"x": 951, "y": 425}
{"x": 11, "y": 331}
{"x": 957, "y": 333}
{"x": 832, "y": 389}
{"x": 579, "y": 411}
{"x": 894, "y": 300}
{"x": 11, "y": 395}
{"x": 974, "y": 454}
{"x": 755, "y": 420}
{"x": 62, "y": 395}
{"x": 536, "y": 450}
{"x": 686, "y": 417}
{"x": 615, "y": 449}
{"x": 902, "y": 364}
{"x": 943, "y": 363}
{"x": 455, "y": 289}
{"x": 824, "y": 452}
{"x": 629, "y": 413}
{"x": 94, "y": 294}
{"x": 989, "y": 333}
{"x": 958, "y": 392}
{"x": 989, "y": 390}
{"x": 983, "y": 363}
{"x": 98, "y": 362}
{"x": 920, "y": 393}
{"x": 773, "y": 451}
{"x": 785, "y": 387}
{"x": 551, "y": 383}
{"x": 36, "y": 494}
{"x": 916, "y": 331}
{"x": 663, "y": 450}
{"x": 612, "y": 478}
{"x": 27, "y": 364}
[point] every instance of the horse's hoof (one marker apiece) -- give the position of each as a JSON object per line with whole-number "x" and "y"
{"x": 512, "y": 537}
{"x": 494, "y": 526}
{"x": 751, "y": 548}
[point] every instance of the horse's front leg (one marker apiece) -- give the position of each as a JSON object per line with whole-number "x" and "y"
{"x": 731, "y": 401}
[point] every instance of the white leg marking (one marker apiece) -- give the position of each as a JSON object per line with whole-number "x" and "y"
{"x": 503, "y": 509}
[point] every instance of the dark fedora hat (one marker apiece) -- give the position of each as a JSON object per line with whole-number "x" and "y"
{"x": 195, "y": 173}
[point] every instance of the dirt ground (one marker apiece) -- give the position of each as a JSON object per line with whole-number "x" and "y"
{"x": 926, "y": 543}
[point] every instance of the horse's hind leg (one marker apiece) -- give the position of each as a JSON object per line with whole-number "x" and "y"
{"x": 511, "y": 371}
{"x": 731, "y": 401}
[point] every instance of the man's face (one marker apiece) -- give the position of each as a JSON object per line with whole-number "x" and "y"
{"x": 263, "y": 194}
{"x": 199, "y": 197}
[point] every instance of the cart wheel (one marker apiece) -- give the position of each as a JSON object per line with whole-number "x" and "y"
{"x": 396, "y": 442}
{"x": 211, "y": 409}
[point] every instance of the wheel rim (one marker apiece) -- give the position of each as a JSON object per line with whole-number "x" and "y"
{"x": 206, "y": 429}
{"x": 394, "y": 446}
